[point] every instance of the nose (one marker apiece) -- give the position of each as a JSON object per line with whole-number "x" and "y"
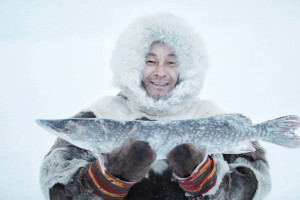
{"x": 160, "y": 71}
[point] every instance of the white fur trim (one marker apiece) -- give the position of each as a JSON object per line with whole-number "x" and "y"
{"x": 262, "y": 174}
{"x": 101, "y": 159}
{"x": 55, "y": 169}
{"x": 159, "y": 166}
{"x": 222, "y": 169}
{"x": 128, "y": 61}
{"x": 116, "y": 107}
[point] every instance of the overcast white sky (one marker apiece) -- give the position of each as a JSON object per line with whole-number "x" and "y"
{"x": 54, "y": 61}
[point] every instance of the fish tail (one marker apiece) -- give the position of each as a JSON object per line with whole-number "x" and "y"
{"x": 280, "y": 131}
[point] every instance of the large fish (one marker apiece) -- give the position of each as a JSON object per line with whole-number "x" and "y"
{"x": 229, "y": 133}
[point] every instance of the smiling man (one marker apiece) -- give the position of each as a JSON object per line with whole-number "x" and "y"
{"x": 159, "y": 64}
{"x": 160, "y": 74}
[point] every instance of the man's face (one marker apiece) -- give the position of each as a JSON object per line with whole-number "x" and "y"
{"x": 160, "y": 73}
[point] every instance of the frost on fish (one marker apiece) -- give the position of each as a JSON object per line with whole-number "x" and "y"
{"x": 229, "y": 133}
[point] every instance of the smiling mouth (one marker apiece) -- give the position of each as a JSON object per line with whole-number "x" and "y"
{"x": 159, "y": 84}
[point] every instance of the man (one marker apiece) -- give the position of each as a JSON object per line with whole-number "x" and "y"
{"x": 159, "y": 65}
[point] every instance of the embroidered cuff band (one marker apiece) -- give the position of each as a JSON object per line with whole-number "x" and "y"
{"x": 105, "y": 185}
{"x": 201, "y": 180}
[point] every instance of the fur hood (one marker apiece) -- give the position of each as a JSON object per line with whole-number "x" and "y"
{"x": 128, "y": 60}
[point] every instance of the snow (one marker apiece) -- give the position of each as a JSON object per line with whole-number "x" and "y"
{"x": 54, "y": 58}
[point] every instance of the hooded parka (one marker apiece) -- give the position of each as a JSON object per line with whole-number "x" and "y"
{"x": 242, "y": 176}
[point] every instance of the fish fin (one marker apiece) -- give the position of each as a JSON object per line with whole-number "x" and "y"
{"x": 244, "y": 147}
{"x": 282, "y": 131}
{"x": 237, "y": 117}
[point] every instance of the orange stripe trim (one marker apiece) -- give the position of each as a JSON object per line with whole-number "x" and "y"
{"x": 207, "y": 179}
{"x": 202, "y": 169}
{"x": 113, "y": 180}
{"x": 100, "y": 188}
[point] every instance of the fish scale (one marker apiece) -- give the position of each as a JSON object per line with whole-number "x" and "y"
{"x": 228, "y": 133}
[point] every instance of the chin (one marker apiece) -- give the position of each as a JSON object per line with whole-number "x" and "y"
{"x": 158, "y": 96}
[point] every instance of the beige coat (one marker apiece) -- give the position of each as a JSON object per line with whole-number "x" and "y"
{"x": 243, "y": 176}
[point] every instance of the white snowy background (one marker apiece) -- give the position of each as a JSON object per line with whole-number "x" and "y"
{"x": 54, "y": 61}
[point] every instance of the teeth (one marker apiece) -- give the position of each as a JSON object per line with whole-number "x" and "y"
{"x": 160, "y": 84}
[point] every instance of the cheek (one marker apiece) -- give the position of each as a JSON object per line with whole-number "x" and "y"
{"x": 146, "y": 72}
{"x": 174, "y": 74}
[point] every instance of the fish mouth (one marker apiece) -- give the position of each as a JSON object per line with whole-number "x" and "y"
{"x": 60, "y": 126}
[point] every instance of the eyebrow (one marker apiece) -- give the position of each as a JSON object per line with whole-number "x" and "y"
{"x": 153, "y": 54}
{"x": 172, "y": 55}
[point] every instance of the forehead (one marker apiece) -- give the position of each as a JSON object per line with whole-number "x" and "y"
{"x": 160, "y": 49}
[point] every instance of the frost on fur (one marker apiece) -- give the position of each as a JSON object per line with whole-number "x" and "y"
{"x": 128, "y": 60}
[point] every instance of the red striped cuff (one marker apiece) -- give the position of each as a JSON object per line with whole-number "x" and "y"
{"x": 201, "y": 180}
{"x": 105, "y": 185}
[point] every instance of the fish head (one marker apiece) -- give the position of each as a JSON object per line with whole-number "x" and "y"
{"x": 66, "y": 126}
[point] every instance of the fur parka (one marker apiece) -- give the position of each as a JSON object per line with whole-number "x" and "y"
{"x": 128, "y": 60}
{"x": 240, "y": 177}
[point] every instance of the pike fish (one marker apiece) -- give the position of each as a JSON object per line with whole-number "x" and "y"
{"x": 227, "y": 133}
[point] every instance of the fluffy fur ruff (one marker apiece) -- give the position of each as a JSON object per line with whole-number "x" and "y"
{"x": 262, "y": 175}
{"x": 223, "y": 168}
{"x": 57, "y": 169}
{"x": 128, "y": 61}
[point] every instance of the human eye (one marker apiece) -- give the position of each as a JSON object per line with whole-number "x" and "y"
{"x": 172, "y": 63}
{"x": 150, "y": 62}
